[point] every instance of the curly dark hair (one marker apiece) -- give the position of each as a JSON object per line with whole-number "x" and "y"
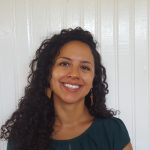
{"x": 31, "y": 125}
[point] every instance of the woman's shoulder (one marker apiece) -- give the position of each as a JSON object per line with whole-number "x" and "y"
{"x": 112, "y": 125}
{"x": 110, "y": 122}
{"x": 114, "y": 130}
{"x": 9, "y": 145}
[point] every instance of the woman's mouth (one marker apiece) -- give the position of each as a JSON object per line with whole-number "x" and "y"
{"x": 71, "y": 87}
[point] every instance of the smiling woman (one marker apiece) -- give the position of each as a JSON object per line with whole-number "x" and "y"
{"x": 64, "y": 103}
{"x": 72, "y": 73}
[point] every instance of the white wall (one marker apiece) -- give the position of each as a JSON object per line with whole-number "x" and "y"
{"x": 122, "y": 28}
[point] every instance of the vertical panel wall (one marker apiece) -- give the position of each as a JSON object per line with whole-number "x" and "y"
{"x": 120, "y": 26}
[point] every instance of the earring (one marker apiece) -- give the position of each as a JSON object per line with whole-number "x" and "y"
{"x": 48, "y": 92}
{"x": 91, "y": 96}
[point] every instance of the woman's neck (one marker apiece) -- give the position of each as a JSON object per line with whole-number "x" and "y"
{"x": 71, "y": 114}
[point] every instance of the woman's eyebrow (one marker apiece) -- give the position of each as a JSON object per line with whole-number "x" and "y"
{"x": 64, "y": 58}
{"x": 83, "y": 61}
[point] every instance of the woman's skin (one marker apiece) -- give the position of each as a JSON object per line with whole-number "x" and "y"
{"x": 72, "y": 79}
{"x": 128, "y": 147}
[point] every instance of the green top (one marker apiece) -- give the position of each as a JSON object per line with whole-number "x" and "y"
{"x": 103, "y": 134}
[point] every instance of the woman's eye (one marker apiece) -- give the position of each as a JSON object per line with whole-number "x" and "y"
{"x": 64, "y": 64}
{"x": 85, "y": 68}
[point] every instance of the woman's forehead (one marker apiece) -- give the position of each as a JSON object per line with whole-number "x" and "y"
{"x": 76, "y": 50}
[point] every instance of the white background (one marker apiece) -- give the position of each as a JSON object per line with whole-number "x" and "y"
{"x": 120, "y": 26}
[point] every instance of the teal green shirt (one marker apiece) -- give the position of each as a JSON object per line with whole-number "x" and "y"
{"x": 103, "y": 134}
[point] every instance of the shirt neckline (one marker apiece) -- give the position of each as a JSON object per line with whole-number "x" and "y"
{"x": 77, "y": 137}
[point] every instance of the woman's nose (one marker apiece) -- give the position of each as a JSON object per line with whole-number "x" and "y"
{"x": 74, "y": 73}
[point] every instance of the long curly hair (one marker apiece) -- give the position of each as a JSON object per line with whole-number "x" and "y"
{"x": 31, "y": 125}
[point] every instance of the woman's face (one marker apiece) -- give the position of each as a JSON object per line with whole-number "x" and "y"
{"x": 72, "y": 73}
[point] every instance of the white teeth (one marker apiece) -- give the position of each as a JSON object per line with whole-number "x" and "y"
{"x": 71, "y": 86}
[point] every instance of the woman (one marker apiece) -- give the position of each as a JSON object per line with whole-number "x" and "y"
{"x": 64, "y": 103}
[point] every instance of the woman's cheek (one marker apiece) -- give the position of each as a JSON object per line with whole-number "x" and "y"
{"x": 88, "y": 79}
{"x": 58, "y": 73}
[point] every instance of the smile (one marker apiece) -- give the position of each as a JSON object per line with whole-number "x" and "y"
{"x": 71, "y": 86}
